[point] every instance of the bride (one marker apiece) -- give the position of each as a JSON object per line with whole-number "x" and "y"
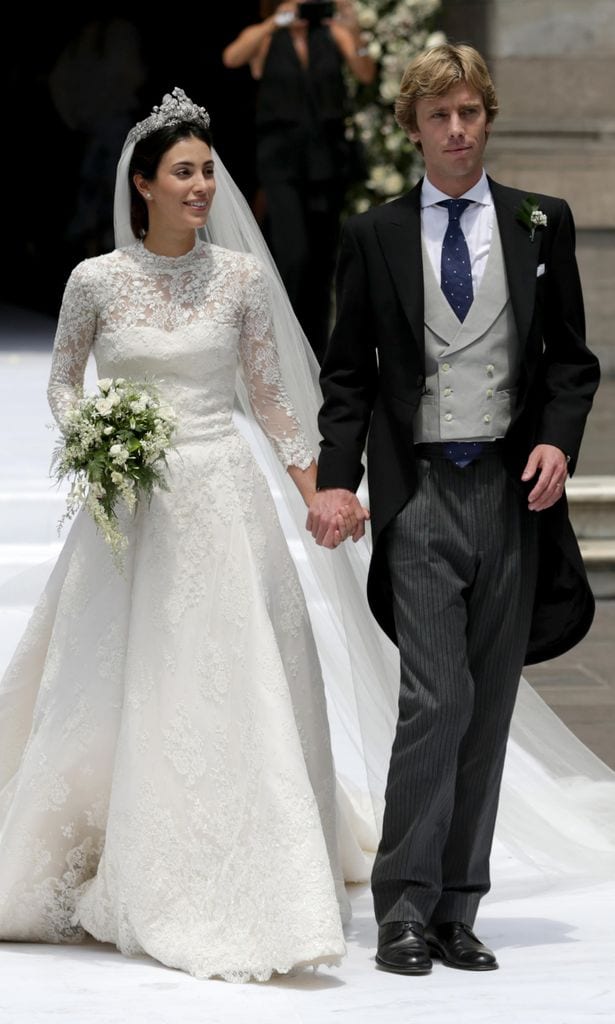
{"x": 166, "y": 780}
{"x": 166, "y": 772}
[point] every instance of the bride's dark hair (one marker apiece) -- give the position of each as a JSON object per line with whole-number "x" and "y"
{"x": 146, "y": 158}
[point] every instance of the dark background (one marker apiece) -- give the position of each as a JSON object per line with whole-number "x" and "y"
{"x": 57, "y": 178}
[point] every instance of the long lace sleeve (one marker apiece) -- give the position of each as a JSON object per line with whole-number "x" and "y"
{"x": 261, "y": 368}
{"x": 73, "y": 341}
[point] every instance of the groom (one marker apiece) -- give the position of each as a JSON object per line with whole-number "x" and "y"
{"x": 459, "y": 353}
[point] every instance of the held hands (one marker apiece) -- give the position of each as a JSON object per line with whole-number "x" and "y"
{"x": 551, "y": 465}
{"x": 335, "y": 514}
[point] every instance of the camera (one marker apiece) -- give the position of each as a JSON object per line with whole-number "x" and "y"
{"x": 315, "y": 11}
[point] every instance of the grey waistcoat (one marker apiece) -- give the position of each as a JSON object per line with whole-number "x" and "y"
{"x": 471, "y": 367}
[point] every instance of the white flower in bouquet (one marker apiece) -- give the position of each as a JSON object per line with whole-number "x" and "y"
{"x": 104, "y": 406}
{"x": 113, "y": 451}
{"x": 119, "y": 454}
{"x": 140, "y": 405}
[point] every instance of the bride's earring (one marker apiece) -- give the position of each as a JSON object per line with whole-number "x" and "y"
{"x": 148, "y": 195}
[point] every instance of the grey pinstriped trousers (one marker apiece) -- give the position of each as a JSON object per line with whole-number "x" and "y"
{"x": 462, "y": 558}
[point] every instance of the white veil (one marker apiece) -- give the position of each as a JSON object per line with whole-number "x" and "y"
{"x": 557, "y": 810}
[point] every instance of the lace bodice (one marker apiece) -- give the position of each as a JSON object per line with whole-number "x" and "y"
{"x": 189, "y": 323}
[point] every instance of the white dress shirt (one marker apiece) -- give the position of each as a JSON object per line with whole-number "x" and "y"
{"x": 476, "y": 223}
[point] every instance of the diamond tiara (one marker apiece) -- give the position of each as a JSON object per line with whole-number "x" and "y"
{"x": 175, "y": 108}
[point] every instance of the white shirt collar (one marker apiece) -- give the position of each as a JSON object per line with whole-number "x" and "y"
{"x": 479, "y": 193}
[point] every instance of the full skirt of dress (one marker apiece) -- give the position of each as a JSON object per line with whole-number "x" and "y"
{"x": 167, "y": 782}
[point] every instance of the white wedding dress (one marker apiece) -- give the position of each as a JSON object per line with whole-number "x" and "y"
{"x": 166, "y": 778}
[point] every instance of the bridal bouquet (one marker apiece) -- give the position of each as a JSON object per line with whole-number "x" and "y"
{"x": 113, "y": 450}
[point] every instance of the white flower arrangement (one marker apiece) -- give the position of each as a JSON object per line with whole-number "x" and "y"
{"x": 539, "y": 219}
{"x": 113, "y": 450}
{"x": 530, "y": 214}
{"x": 393, "y": 32}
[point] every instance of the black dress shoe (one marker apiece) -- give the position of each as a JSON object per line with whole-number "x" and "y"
{"x": 402, "y": 948}
{"x": 456, "y": 945}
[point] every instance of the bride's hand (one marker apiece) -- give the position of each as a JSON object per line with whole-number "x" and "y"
{"x": 351, "y": 521}
{"x": 335, "y": 514}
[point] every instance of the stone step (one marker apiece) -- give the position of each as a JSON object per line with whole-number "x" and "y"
{"x": 597, "y": 552}
{"x": 599, "y": 559}
{"x": 30, "y": 511}
{"x": 591, "y": 500}
{"x": 29, "y": 520}
{"x": 14, "y": 558}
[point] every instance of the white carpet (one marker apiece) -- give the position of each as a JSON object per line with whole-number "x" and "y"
{"x": 556, "y": 956}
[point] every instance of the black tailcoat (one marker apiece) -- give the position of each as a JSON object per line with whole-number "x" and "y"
{"x": 373, "y": 376}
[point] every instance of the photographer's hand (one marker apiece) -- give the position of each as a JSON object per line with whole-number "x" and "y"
{"x": 346, "y": 14}
{"x": 285, "y": 14}
{"x": 251, "y": 45}
{"x": 346, "y": 31}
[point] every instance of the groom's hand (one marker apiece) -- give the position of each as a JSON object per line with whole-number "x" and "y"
{"x": 335, "y": 514}
{"x": 548, "y": 465}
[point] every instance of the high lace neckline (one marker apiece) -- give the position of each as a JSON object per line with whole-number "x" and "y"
{"x": 169, "y": 262}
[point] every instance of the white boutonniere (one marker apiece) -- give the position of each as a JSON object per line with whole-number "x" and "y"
{"x": 531, "y": 216}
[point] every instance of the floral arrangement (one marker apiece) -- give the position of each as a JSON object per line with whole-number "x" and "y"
{"x": 393, "y": 32}
{"x": 113, "y": 450}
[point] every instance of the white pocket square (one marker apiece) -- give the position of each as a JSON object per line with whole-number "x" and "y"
{"x": 541, "y": 269}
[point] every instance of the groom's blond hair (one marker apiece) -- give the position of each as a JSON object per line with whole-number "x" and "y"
{"x": 436, "y": 71}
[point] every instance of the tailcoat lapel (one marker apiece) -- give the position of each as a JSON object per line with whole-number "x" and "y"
{"x": 399, "y": 236}
{"x": 521, "y": 257}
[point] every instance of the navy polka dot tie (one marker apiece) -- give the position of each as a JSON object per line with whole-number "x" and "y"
{"x": 455, "y": 267}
